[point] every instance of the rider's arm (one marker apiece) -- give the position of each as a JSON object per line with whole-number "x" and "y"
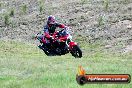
{"x": 46, "y": 32}
{"x": 60, "y": 25}
{"x": 64, "y": 28}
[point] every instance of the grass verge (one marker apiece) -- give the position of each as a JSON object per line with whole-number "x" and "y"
{"x": 23, "y": 65}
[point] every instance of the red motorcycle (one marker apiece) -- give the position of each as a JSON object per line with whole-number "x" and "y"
{"x": 60, "y": 44}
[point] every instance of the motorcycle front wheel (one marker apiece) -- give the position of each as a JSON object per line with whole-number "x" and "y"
{"x": 76, "y": 52}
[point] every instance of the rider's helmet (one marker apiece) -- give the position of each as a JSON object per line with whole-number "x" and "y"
{"x": 51, "y": 20}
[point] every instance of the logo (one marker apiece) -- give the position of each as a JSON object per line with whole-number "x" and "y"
{"x": 83, "y": 78}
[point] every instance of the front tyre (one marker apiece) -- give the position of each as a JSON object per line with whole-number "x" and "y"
{"x": 76, "y": 52}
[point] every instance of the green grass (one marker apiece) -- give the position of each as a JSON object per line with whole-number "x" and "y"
{"x": 23, "y": 65}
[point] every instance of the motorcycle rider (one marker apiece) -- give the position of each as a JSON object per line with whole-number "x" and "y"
{"x": 62, "y": 40}
{"x": 50, "y": 28}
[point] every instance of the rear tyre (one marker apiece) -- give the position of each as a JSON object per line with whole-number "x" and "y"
{"x": 45, "y": 51}
{"x": 76, "y": 52}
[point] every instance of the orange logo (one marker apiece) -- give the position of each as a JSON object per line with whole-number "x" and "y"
{"x": 83, "y": 78}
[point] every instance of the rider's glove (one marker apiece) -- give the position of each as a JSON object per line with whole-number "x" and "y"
{"x": 51, "y": 38}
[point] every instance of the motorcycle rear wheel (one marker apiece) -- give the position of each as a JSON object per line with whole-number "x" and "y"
{"x": 45, "y": 51}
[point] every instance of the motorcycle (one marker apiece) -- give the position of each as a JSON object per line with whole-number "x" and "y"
{"x": 60, "y": 43}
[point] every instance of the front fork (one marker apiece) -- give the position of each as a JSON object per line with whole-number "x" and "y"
{"x": 70, "y": 44}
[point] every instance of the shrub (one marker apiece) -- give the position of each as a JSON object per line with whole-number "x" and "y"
{"x": 40, "y": 9}
{"x": 83, "y": 1}
{"x": 0, "y": 4}
{"x": 41, "y": 6}
{"x": 12, "y": 12}
{"x": 126, "y": 1}
{"x": 24, "y": 9}
{"x": 6, "y": 19}
{"x": 100, "y": 21}
{"x": 106, "y": 5}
